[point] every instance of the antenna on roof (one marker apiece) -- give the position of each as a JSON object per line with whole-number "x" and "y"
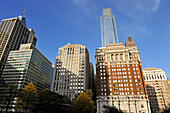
{"x": 24, "y": 11}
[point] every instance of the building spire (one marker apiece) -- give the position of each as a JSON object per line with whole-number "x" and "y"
{"x": 24, "y": 11}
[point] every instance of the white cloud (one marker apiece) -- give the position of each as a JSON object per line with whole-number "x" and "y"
{"x": 80, "y": 2}
{"x": 87, "y": 6}
{"x": 156, "y": 5}
{"x": 134, "y": 8}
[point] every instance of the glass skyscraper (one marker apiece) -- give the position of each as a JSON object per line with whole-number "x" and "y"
{"x": 28, "y": 65}
{"x": 13, "y": 33}
{"x": 108, "y": 28}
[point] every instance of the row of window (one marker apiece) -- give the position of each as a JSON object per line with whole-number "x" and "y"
{"x": 122, "y": 93}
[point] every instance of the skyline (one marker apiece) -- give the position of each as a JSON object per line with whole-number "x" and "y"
{"x": 61, "y": 23}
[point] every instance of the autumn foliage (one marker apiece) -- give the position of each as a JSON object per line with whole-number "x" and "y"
{"x": 27, "y": 97}
{"x": 84, "y": 104}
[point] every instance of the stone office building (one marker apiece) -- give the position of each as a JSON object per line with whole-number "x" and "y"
{"x": 71, "y": 71}
{"x": 157, "y": 89}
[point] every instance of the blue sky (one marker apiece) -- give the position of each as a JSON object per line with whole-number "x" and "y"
{"x": 58, "y": 22}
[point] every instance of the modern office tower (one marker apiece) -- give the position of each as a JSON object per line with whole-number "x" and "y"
{"x": 28, "y": 65}
{"x": 108, "y": 28}
{"x": 157, "y": 89}
{"x": 71, "y": 72}
{"x": 119, "y": 78}
{"x": 13, "y": 33}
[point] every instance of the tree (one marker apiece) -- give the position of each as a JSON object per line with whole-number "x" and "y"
{"x": 89, "y": 93}
{"x": 3, "y": 87}
{"x": 11, "y": 93}
{"x": 84, "y": 103}
{"x": 7, "y": 93}
{"x": 166, "y": 111}
{"x": 111, "y": 109}
{"x": 50, "y": 102}
{"x": 27, "y": 97}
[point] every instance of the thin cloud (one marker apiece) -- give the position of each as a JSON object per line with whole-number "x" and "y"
{"x": 80, "y": 2}
{"x": 133, "y": 8}
{"x": 128, "y": 29}
{"x": 138, "y": 12}
{"x": 156, "y": 6}
{"x": 87, "y": 6}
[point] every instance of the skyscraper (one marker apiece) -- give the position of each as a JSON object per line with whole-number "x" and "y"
{"x": 108, "y": 28}
{"x": 27, "y": 65}
{"x": 13, "y": 33}
{"x": 71, "y": 71}
{"x": 157, "y": 89}
{"x": 119, "y": 78}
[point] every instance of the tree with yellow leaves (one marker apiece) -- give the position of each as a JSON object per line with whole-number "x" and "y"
{"x": 84, "y": 104}
{"x": 27, "y": 97}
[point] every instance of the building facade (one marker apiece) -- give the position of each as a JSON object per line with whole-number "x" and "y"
{"x": 119, "y": 78}
{"x": 13, "y": 33}
{"x": 157, "y": 89}
{"x": 108, "y": 28}
{"x": 28, "y": 65}
{"x": 71, "y": 71}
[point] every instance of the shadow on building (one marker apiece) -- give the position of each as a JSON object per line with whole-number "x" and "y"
{"x": 22, "y": 72}
{"x": 152, "y": 96}
{"x": 71, "y": 83}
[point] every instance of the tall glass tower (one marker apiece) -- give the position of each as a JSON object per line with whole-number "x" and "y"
{"x": 13, "y": 33}
{"x": 108, "y": 28}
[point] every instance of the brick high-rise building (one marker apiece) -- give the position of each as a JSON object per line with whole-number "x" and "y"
{"x": 71, "y": 71}
{"x": 120, "y": 80}
{"x": 13, "y": 33}
{"x": 157, "y": 89}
